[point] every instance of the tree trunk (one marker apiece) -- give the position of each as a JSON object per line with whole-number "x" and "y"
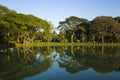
{"x": 72, "y": 37}
{"x": 26, "y": 38}
{"x": 32, "y": 39}
{"x": 18, "y": 38}
{"x": 8, "y": 38}
{"x": 102, "y": 39}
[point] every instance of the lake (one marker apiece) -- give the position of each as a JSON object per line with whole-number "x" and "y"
{"x": 60, "y": 63}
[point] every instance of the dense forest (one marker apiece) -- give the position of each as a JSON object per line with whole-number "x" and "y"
{"x": 27, "y": 28}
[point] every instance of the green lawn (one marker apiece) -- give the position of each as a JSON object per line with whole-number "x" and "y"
{"x": 66, "y": 44}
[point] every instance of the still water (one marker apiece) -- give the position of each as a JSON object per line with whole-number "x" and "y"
{"x": 60, "y": 63}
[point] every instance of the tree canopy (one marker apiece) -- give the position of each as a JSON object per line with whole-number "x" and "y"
{"x": 21, "y": 28}
{"x": 101, "y": 29}
{"x": 26, "y": 28}
{"x": 72, "y": 26}
{"x": 105, "y": 28}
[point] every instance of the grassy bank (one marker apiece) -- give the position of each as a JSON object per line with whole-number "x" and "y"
{"x": 66, "y": 44}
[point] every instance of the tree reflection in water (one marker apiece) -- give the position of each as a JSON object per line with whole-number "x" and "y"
{"x": 101, "y": 60}
{"x": 18, "y": 63}
{"x": 23, "y": 62}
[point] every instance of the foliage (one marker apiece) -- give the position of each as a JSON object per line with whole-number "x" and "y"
{"x": 105, "y": 28}
{"x": 73, "y": 27}
{"x": 21, "y": 28}
{"x": 27, "y": 28}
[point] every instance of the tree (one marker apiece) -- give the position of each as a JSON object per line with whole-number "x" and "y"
{"x": 62, "y": 37}
{"x": 5, "y": 10}
{"x": 47, "y": 33}
{"x": 117, "y": 19}
{"x": 104, "y": 28}
{"x": 22, "y": 28}
{"x": 69, "y": 26}
{"x": 81, "y": 32}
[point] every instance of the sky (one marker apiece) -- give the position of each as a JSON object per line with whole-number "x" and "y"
{"x": 58, "y": 10}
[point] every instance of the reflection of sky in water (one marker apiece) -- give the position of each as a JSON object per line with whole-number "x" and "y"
{"x": 70, "y": 64}
{"x": 55, "y": 72}
{"x": 54, "y": 55}
{"x": 40, "y": 57}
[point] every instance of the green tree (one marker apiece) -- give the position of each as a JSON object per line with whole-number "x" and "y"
{"x": 22, "y": 28}
{"x": 117, "y": 19}
{"x": 5, "y": 10}
{"x": 104, "y": 28}
{"x": 47, "y": 33}
{"x": 69, "y": 26}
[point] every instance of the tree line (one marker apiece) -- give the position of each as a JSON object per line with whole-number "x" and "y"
{"x": 102, "y": 29}
{"x": 26, "y": 28}
{"x": 22, "y": 28}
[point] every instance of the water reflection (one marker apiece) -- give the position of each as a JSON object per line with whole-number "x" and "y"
{"x": 18, "y": 63}
{"x": 102, "y": 61}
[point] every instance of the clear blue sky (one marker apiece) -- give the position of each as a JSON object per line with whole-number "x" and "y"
{"x": 58, "y": 10}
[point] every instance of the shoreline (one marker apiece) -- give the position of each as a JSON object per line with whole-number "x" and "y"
{"x": 64, "y": 44}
